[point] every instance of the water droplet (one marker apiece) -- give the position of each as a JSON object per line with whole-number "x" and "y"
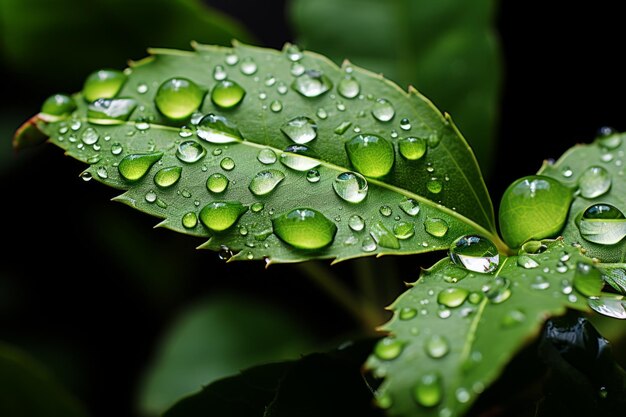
{"x": 106, "y": 111}
{"x": 58, "y": 105}
{"x": 513, "y": 317}
{"x": 265, "y": 182}
{"x": 190, "y": 151}
{"x": 342, "y": 127}
{"x": 412, "y": 148}
{"x": 142, "y": 125}
{"x": 166, "y": 177}
{"x": 116, "y": 148}
{"x": 89, "y": 136}
{"x": 410, "y": 206}
{"x": 452, "y": 297}
{"x": 86, "y": 176}
{"x": 383, "y": 110}
{"x": 297, "y": 69}
{"x": 227, "y": 94}
{"x": 150, "y": 196}
{"x": 276, "y": 106}
{"x": 231, "y": 59}
{"x": 475, "y": 297}
{"x": 281, "y": 88}
{"x": 594, "y": 182}
{"x": 567, "y": 172}
{"x": 321, "y": 113}
{"x": 142, "y": 88}
{"x": 299, "y": 158}
{"x": 371, "y": 155}
{"x": 384, "y": 401}
{"x": 300, "y": 129}
{"x": 437, "y": 346}
{"x": 248, "y": 66}
{"x": 305, "y": 228}
{"x": 293, "y": 52}
{"x": 385, "y": 210}
{"x": 225, "y": 253}
{"x": 312, "y": 84}
{"x": 403, "y": 230}
{"x": 407, "y": 313}
{"x": 405, "y": 124}
{"x": 349, "y": 87}
{"x": 436, "y": 227}
{"x": 257, "y": 207}
{"x": 388, "y": 348}
{"x": 609, "y": 138}
{"x": 603, "y": 224}
{"x": 368, "y": 244}
{"x": 588, "y": 280}
{"x": 134, "y": 167}
{"x": 227, "y": 164}
{"x": 217, "y": 183}
{"x": 266, "y": 156}
{"x": 356, "y": 223}
{"x": 383, "y": 237}
{"x": 221, "y": 215}
{"x": 217, "y": 129}
{"x": 103, "y": 84}
{"x": 527, "y": 262}
{"x": 351, "y": 186}
{"x": 539, "y": 283}
{"x": 475, "y": 253}
{"x": 434, "y": 185}
{"x": 219, "y": 74}
{"x": 499, "y": 291}
{"x": 611, "y": 307}
{"x": 102, "y": 173}
{"x": 313, "y": 176}
{"x": 428, "y": 391}
{"x": 178, "y": 98}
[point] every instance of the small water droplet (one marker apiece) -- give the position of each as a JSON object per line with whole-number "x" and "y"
{"x": 349, "y": 87}
{"x": 300, "y": 129}
{"x": 388, "y": 348}
{"x": 407, "y": 313}
{"x": 248, "y": 66}
{"x": 383, "y": 110}
{"x": 227, "y": 94}
{"x": 281, "y": 88}
{"x": 219, "y": 74}
{"x": 371, "y": 155}
{"x": 276, "y": 106}
{"x": 142, "y": 88}
{"x": 356, "y": 223}
{"x": 266, "y": 156}
{"x": 462, "y": 395}
{"x": 150, "y": 196}
{"x": 436, "y": 227}
{"x": 312, "y": 84}
{"x": 403, "y": 230}
{"x": 58, "y": 105}
{"x": 134, "y": 167}
{"x": 116, "y": 148}
{"x": 452, "y": 297}
{"x": 189, "y": 220}
{"x": 299, "y": 158}
{"x": 412, "y": 148}
{"x": 102, "y": 173}
{"x": 405, "y": 124}
{"x": 321, "y": 113}
{"x": 178, "y": 98}
{"x": 499, "y": 291}
{"x": 437, "y": 346}
{"x": 217, "y": 129}
{"x": 227, "y": 164}
{"x": 313, "y": 176}
{"x": 190, "y": 151}
{"x": 217, "y": 183}
{"x": 539, "y": 283}
{"x": 293, "y": 53}
{"x": 166, "y": 177}
{"x": 594, "y": 182}
{"x": 266, "y": 181}
{"x": 297, "y": 69}
{"x": 305, "y": 228}
{"x": 609, "y": 138}
{"x": 385, "y": 210}
{"x": 428, "y": 392}
{"x": 410, "y": 206}
{"x": 257, "y": 207}
{"x": 434, "y": 185}
{"x": 89, "y": 136}
{"x": 231, "y": 59}
{"x": 383, "y": 237}
{"x": 219, "y": 216}
{"x": 368, "y": 244}
{"x": 527, "y": 262}
{"x": 86, "y": 176}
{"x": 351, "y": 187}
{"x": 475, "y": 253}
{"x": 103, "y": 84}
{"x": 567, "y": 172}
{"x": 342, "y": 127}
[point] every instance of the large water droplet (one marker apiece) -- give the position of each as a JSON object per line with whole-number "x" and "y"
{"x": 383, "y": 110}
{"x": 588, "y": 280}
{"x": 403, "y": 230}
{"x": 266, "y": 156}
{"x": 388, "y": 348}
{"x": 106, "y": 111}
{"x": 603, "y": 224}
{"x": 305, "y": 228}
{"x": 383, "y": 237}
{"x": 452, "y": 297}
{"x": 609, "y": 138}
{"x": 594, "y": 182}
{"x": 428, "y": 391}
{"x": 300, "y": 129}
{"x": 437, "y": 346}
{"x": 166, "y": 177}
{"x": 476, "y": 253}
{"x": 436, "y": 227}
{"x": 58, "y": 105}
{"x": 356, "y": 223}
{"x": 266, "y": 181}
{"x": 300, "y": 158}
{"x": 190, "y": 151}
{"x": 103, "y": 84}
{"x": 178, "y": 98}
{"x": 217, "y": 129}
{"x": 349, "y": 87}
{"x": 371, "y": 155}
{"x": 217, "y": 183}
{"x": 312, "y": 84}
{"x": 219, "y": 216}
{"x": 134, "y": 167}
{"x": 606, "y": 306}
{"x": 351, "y": 186}
{"x": 412, "y": 148}
{"x": 434, "y": 185}
{"x": 410, "y": 206}
{"x": 89, "y": 136}
{"x": 227, "y": 94}
{"x": 533, "y": 207}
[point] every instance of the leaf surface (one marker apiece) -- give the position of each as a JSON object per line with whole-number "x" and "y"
{"x": 444, "y": 186}
{"x": 442, "y": 353}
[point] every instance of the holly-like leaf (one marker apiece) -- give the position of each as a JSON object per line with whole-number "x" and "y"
{"x": 440, "y": 354}
{"x": 265, "y": 165}
{"x": 596, "y": 217}
{"x": 447, "y": 49}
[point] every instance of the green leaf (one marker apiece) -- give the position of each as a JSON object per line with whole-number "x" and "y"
{"x": 447, "y": 49}
{"x": 27, "y": 390}
{"x": 35, "y": 33}
{"x": 597, "y": 171}
{"x": 246, "y": 196}
{"x": 217, "y": 338}
{"x": 454, "y": 331}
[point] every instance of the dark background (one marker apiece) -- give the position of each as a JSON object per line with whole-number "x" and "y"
{"x": 95, "y": 322}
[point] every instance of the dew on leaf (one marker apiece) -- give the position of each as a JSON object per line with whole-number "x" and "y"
{"x": 371, "y": 155}
{"x": 166, "y": 177}
{"x": 403, "y": 230}
{"x": 247, "y": 66}
{"x": 452, "y": 297}
{"x": 588, "y": 280}
{"x": 106, "y": 111}
{"x": 594, "y": 182}
{"x": 313, "y": 176}
{"x": 368, "y": 244}
{"x": 58, "y": 105}
{"x": 219, "y": 216}
{"x": 428, "y": 392}
{"x": 135, "y": 166}
{"x": 305, "y": 228}
{"x": 405, "y": 124}
{"x": 342, "y": 127}
{"x": 436, "y": 227}
{"x": 388, "y": 348}
{"x": 189, "y": 220}
{"x": 410, "y": 206}
{"x": 266, "y": 156}
{"x": 385, "y": 210}
{"x": 300, "y": 129}
{"x": 611, "y": 307}
{"x": 227, "y": 163}
{"x": 383, "y": 110}
{"x": 349, "y": 87}
{"x": 190, "y": 151}
{"x": 217, "y": 129}
{"x": 513, "y": 317}
{"x": 383, "y": 237}
{"x": 437, "y": 346}
{"x": 475, "y": 253}
{"x": 527, "y": 262}
{"x": 356, "y": 223}
{"x": 265, "y": 182}
{"x": 434, "y": 185}
{"x": 178, "y": 98}
{"x": 227, "y": 94}
{"x": 412, "y": 148}
{"x": 150, "y": 196}
{"x": 217, "y": 183}
{"x": 299, "y": 158}
{"x": 351, "y": 187}
{"x": 89, "y": 136}
{"x": 499, "y": 291}
{"x": 407, "y": 313}
{"x": 276, "y": 106}
{"x": 312, "y": 84}
{"x": 103, "y": 84}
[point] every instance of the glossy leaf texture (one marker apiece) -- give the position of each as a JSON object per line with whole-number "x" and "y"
{"x": 447, "y": 49}
{"x": 27, "y": 390}
{"x": 440, "y": 353}
{"x": 596, "y": 216}
{"x": 266, "y": 165}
